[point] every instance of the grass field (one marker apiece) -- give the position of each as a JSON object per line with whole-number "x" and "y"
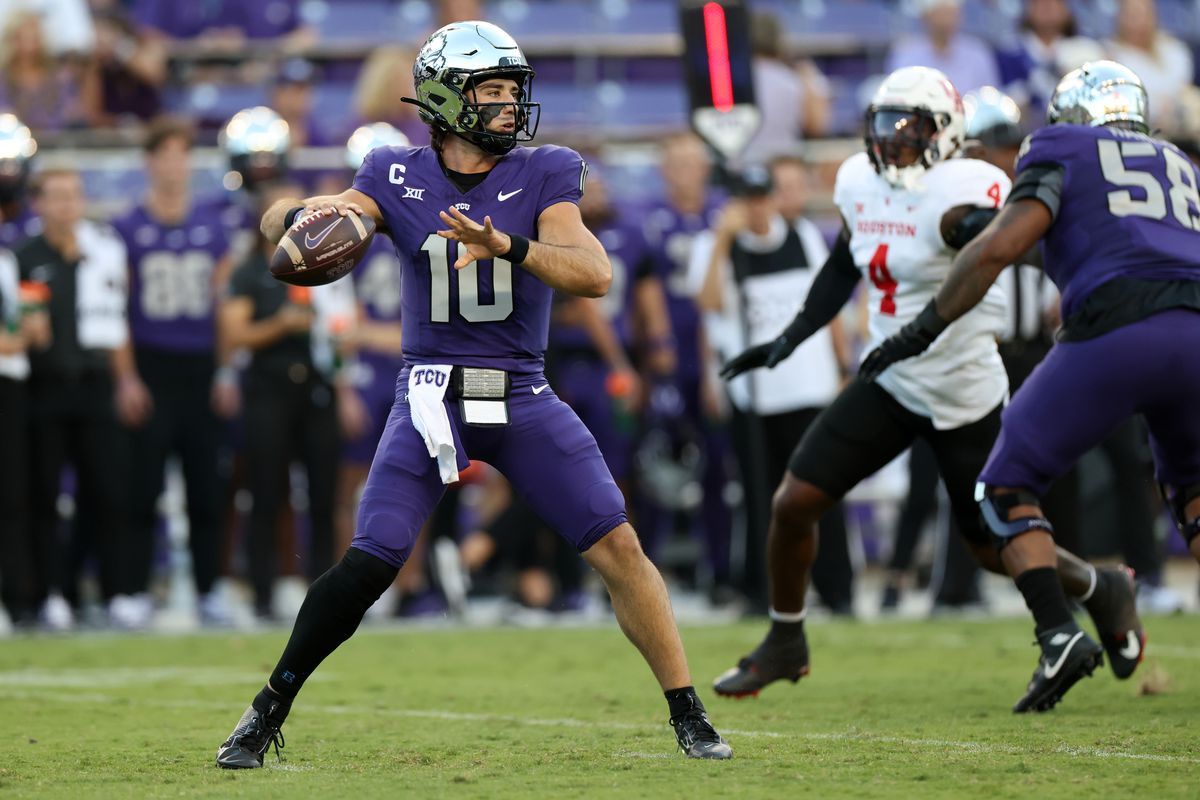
{"x": 900, "y": 709}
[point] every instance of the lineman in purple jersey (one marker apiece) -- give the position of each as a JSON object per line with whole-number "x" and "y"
{"x": 486, "y": 231}
{"x": 1117, "y": 214}
{"x": 167, "y": 392}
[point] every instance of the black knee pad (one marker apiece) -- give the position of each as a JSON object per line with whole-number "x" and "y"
{"x": 995, "y": 507}
{"x": 1177, "y": 501}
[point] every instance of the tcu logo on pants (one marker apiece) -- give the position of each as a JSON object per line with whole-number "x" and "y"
{"x": 428, "y": 376}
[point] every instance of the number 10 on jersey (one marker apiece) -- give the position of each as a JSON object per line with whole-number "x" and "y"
{"x": 469, "y": 306}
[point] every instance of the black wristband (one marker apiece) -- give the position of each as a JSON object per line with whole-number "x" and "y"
{"x": 929, "y": 322}
{"x": 518, "y": 249}
{"x": 290, "y": 217}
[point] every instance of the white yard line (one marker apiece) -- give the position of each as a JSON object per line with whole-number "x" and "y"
{"x": 28, "y": 690}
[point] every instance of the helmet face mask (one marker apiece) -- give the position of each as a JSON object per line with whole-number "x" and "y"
{"x": 1101, "y": 93}
{"x": 914, "y": 121}
{"x": 457, "y": 59}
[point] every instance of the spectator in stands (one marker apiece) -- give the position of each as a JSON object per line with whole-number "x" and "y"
{"x": 34, "y": 85}
{"x": 227, "y": 24}
{"x": 793, "y": 99}
{"x": 458, "y": 10}
{"x": 292, "y": 99}
{"x": 67, "y": 24}
{"x": 72, "y": 391}
{"x": 386, "y": 76}
{"x": 1162, "y": 62}
{"x": 1048, "y": 47}
{"x": 127, "y": 73}
{"x": 967, "y": 61}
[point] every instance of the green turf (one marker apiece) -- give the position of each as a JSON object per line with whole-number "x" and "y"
{"x": 909, "y": 709}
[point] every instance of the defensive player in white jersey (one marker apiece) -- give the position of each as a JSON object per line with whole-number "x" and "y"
{"x": 907, "y": 205}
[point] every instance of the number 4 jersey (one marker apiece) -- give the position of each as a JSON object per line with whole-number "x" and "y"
{"x": 896, "y": 240}
{"x": 488, "y": 313}
{"x": 1125, "y": 205}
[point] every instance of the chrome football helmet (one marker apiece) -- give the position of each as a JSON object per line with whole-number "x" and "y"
{"x": 368, "y": 137}
{"x": 17, "y": 147}
{"x": 453, "y": 60}
{"x": 916, "y": 110}
{"x": 257, "y": 141}
{"x": 992, "y": 117}
{"x": 1101, "y": 93}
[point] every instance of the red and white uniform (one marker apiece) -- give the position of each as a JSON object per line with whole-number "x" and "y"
{"x": 896, "y": 240}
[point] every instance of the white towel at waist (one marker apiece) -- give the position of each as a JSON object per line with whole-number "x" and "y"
{"x": 427, "y": 386}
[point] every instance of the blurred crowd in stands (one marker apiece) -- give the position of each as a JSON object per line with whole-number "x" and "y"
{"x": 157, "y": 386}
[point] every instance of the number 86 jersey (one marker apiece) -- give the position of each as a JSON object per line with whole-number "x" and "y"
{"x": 896, "y": 241}
{"x": 489, "y": 313}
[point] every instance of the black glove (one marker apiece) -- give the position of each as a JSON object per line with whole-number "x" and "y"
{"x": 767, "y": 354}
{"x": 911, "y": 340}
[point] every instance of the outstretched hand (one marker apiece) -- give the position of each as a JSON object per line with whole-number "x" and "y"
{"x": 482, "y": 241}
{"x": 766, "y": 355}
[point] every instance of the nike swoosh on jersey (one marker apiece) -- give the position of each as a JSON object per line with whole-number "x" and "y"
{"x": 501, "y": 196}
{"x": 311, "y": 241}
{"x": 540, "y": 389}
{"x": 1133, "y": 646}
{"x": 1051, "y": 670}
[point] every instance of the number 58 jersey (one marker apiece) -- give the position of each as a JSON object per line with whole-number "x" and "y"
{"x": 1127, "y": 207}
{"x": 896, "y": 241}
{"x": 489, "y": 313}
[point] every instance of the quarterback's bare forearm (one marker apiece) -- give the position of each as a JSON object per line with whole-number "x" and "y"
{"x": 1004, "y": 241}
{"x": 566, "y": 256}
{"x": 578, "y": 271}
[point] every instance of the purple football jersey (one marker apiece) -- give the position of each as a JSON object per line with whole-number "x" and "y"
{"x": 670, "y": 234}
{"x": 628, "y": 254}
{"x": 490, "y": 313}
{"x": 171, "y": 267}
{"x": 1129, "y": 209}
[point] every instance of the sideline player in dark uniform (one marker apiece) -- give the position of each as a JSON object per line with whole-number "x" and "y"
{"x": 475, "y": 316}
{"x": 1126, "y": 263}
{"x": 178, "y": 257}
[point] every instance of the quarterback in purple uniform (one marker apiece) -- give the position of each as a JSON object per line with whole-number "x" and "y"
{"x": 1117, "y": 214}
{"x": 486, "y": 232}
{"x": 167, "y": 393}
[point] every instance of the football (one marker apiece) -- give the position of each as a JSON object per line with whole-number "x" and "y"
{"x": 321, "y": 248}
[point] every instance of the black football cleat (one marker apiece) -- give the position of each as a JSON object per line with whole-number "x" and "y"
{"x": 771, "y": 661}
{"x": 698, "y": 738}
{"x": 1068, "y": 654}
{"x": 255, "y": 732}
{"x": 1113, "y": 608}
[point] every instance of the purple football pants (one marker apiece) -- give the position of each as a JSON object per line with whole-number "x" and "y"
{"x": 1083, "y": 390}
{"x": 546, "y": 453}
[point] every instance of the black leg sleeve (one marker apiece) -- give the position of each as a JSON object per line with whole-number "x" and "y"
{"x": 332, "y": 610}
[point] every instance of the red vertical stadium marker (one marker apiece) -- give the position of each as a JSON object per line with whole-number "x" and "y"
{"x": 717, "y": 41}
